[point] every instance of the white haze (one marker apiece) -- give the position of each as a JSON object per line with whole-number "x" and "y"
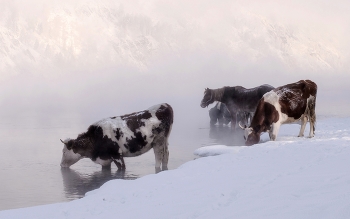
{"x": 106, "y": 58}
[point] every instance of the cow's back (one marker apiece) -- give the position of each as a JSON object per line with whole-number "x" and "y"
{"x": 263, "y": 89}
{"x": 247, "y": 99}
{"x": 135, "y": 132}
{"x": 293, "y": 98}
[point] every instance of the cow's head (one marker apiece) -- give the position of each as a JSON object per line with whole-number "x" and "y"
{"x": 69, "y": 156}
{"x": 251, "y": 135}
{"x": 252, "y": 138}
{"x": 208, "y": 98}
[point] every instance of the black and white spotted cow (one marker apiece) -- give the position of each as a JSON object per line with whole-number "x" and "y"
{"x": 111, "y": 139}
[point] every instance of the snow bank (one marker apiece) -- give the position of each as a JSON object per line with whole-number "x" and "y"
{"x": 214, "y": 150}
{"x": 289, "y": 178}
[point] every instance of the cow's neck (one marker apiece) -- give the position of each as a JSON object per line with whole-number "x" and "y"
{"x": 217, "y": 94}
{"x": 265, "y": 115}
{"x": 84, "y": 146}
{"x": 228, "y": 96}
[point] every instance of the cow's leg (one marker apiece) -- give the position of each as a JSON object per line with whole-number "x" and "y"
{"x": 312, "y": 118}
{"x": 303, "y": 125}
{"x": 233, "y": 121}
{"x": 250, "y": 118}
{"x": 158, "y": 154}
{"x": 161, "y": 152}
{"x": 165, "y": 156}
{"x": 123, "y": 163}
{"x": 119, "y": 162}
{"x": 274, "y": 131}
{"x": 247, "y": 117}
{"x": 213, "y": 116}
{"x": 221, "y": 116}
{"x": 106, "y": 167}
{"x": 220, "y": 120}
{"x": 312, "y": 129}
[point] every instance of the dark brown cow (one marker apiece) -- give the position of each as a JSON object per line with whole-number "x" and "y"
{"x": 285, "y": 104}
{"x": 238, "y": 99}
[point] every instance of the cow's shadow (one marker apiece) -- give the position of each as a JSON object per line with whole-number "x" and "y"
{"x": 226, "y": 136}
{"x": 76, "y": 185}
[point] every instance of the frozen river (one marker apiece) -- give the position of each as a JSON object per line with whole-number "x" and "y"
{"x": 31, "y": 154}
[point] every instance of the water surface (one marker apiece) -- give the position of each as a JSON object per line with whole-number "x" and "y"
{"x": 31, "y": 154}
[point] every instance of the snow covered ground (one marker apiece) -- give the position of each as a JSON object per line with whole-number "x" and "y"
{"x": 290, "y": 178}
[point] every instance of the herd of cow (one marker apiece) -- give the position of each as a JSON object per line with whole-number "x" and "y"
{"x": 256, "y": 110}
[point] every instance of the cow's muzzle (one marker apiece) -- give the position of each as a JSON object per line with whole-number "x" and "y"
{"x": 203, "y": 105}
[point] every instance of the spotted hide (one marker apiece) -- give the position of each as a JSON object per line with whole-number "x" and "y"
{"x": 112, "y": 139}
{"x": 286, "y": 104}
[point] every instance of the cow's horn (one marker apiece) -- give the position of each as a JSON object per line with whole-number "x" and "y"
{"x": 239, "y": 124}
{"x": 62, "y": 141}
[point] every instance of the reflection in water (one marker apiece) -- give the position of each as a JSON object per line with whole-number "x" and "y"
{"x": 76, "y": 185}
{"x": 226, "y": 136}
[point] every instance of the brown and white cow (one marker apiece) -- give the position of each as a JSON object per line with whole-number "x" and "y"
{"x": 283, "y": 105}
{"x": 111, "y": 139}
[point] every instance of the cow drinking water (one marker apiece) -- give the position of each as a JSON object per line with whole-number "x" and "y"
{"x": 111, "y": 139}
{"x": 285, "y": 104}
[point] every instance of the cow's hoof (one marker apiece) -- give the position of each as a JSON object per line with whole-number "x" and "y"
{"x": 120, "y": 172}
{"x": 121, "y": 168}
{"x": 273, "y": 137}
{"x": 300, "y": 135}
{"x": 158, "y": 169}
